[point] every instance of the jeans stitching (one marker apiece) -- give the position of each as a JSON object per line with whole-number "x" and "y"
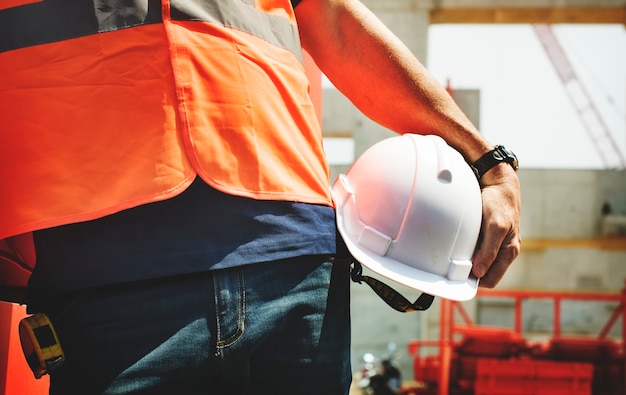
{"x": 241, "y": 313}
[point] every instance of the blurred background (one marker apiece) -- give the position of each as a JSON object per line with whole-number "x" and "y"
{"x": 546, "y": 79}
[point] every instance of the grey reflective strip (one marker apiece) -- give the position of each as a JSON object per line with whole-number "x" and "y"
{"x": 56, "y": 20}
{"x": 116, "y": 14}
{"x": 241, "y": 15}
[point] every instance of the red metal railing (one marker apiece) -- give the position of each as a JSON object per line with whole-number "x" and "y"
{"x": 450, "y": 330}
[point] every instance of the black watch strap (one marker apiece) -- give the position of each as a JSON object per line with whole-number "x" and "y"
{"x": 493, "y": 158}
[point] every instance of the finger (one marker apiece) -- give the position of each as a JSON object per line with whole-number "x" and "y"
{"x": 486, "y": 253}
{"x": 497, "y": 269}
{"x": 495, "y": 263}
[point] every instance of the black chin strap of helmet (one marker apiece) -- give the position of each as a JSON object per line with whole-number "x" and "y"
{"x": 390, "y": 295}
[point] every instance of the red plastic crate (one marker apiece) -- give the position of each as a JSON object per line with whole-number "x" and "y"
{"x": 529, "y": 377}
{"x": 490, "y": 342}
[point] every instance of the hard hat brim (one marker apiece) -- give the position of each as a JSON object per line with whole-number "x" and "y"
{"x": 409, "y": 276}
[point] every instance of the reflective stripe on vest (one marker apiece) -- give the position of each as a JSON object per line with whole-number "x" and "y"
{"x": 37, "y": 22}
{"x": 222, "y": 94}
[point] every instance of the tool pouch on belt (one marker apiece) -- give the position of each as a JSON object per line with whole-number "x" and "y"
{"x": 40, "y": 344}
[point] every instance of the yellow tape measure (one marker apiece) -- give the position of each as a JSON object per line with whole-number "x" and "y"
{"x": 40, "y": 344}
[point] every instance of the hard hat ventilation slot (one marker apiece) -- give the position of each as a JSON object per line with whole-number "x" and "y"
{"x": 445, "y": 176}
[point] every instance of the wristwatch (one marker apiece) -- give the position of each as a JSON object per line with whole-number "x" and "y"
{"x": 492, "y": 158}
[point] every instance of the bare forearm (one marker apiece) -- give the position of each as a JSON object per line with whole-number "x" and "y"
{"x": 380, "y": 75}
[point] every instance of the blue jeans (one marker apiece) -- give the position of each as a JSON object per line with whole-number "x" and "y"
{"x": 273, "y": 328}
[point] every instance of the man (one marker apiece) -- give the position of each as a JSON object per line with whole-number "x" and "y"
{"x": 163, "y": 161}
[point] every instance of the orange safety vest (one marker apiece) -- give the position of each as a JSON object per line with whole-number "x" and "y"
{"x": 103, "y": 109}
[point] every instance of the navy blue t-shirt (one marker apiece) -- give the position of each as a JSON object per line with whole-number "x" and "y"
{"x": 201, "y": 229}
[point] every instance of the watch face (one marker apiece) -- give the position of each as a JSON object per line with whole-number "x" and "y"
{"x": 503, "y": 154}
{"x": 492, "y": 158}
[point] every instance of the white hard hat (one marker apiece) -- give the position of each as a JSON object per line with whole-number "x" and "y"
{"x": 410, "y": 209}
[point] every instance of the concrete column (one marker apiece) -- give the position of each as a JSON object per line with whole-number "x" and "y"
{"x": 408, "y": 19}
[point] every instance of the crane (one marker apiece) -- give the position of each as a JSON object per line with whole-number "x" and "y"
{"x": 595, "y": 126}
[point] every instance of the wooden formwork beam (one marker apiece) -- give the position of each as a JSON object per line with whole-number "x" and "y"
{"x": 605, "y": 243}
{"x": 528, "y": 15}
